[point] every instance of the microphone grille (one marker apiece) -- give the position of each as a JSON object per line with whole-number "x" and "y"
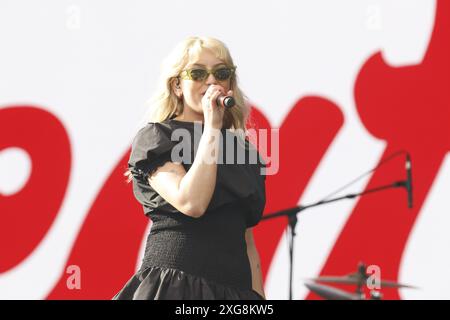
{"x": 229, "y": 102}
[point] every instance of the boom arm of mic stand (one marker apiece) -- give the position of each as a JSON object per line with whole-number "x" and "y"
{"x": 294, "y": 210}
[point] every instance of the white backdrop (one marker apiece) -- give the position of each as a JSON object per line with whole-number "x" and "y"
{"x": 94, "y": 64}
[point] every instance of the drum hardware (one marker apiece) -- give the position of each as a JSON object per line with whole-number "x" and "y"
{"x": 358, "y": 278}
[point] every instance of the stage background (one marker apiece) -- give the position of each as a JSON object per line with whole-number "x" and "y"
{"x": 347, "y": 82}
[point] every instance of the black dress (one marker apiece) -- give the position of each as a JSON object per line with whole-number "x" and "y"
{"x": 195, "y": 258}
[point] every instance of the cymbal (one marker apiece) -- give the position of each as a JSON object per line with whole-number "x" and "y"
{"x": 330, "y": 293}
{"x": 358, "y": 279}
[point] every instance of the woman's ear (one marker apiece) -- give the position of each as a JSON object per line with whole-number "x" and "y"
{"x": 176, "y": 87}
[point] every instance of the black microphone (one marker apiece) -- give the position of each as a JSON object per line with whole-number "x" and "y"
{"x": 408, "y": 182}
{"x": 225, "y": 101}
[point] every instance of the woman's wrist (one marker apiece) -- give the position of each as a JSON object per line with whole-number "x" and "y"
{"x": 212, "y": 134}
{"x": 208, "y": 150}
{"x": 210, "y": 126}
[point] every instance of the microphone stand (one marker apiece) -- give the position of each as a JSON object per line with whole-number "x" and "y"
{"x": 291, "y": 213}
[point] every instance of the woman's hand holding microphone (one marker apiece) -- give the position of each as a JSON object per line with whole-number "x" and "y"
{"x": 213, "y": 113}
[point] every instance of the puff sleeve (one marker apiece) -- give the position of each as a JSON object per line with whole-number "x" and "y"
{"x": 150, "y": 149}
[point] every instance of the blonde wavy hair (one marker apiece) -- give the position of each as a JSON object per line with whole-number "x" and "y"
{"x": 164, "y": 104}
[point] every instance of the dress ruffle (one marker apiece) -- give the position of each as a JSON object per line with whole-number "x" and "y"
{"x": 157, "y": 283}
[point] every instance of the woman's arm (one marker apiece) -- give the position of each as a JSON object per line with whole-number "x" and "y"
{"x": 255, "y": 264}
{"x": 190, "y": 192}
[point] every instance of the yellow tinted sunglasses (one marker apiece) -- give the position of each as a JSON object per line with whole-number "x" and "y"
{"x": 221, "y": 73}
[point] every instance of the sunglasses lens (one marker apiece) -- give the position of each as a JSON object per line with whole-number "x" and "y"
{"x": 198, "y": 74}
{"x": 222, "y": 74}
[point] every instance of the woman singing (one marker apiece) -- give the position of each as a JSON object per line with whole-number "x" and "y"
{"x": 200, "y": 245}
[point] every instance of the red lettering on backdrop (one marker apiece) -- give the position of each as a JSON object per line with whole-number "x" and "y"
{"x": 409, "y": 108}
{"x": 107, "y": 246}
{"x": 28, "y": 214}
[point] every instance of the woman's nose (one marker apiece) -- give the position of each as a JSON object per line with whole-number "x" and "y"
{"x": 210, "y": 79}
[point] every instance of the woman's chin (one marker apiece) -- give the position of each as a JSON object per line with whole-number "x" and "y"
{"x": 198, "y": 110}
